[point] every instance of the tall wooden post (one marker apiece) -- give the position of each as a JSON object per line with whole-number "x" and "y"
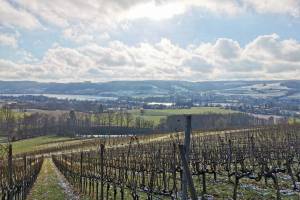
{"x": 187, "y": 142}
{"x": 102, "y": 172}
{"x": 187, "y": 135}
{"x": 10, "y": 172}
{"x": 25, "y": 174}
{"x": 81, "y": 170}
{"x": 187, "y": 172}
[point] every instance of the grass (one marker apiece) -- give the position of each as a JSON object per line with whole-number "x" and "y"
{"x": 44, "y": 142}
{"x": 3, "y": 139}
{"x": 47, "y": 184}
{"x": 193, "y": 110}
{"x": 222, "y": 189}
{"x": 38, "y": 143}
{"x": 53, "y": 113}
{"x": 155, "y": 119}
{"x": 156, "y": 114}
{"x": 294, "y": 120}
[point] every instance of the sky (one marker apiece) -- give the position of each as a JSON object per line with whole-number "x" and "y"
{"x": 109, "y": 40}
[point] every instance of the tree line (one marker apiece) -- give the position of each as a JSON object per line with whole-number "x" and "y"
{"x": 19, "y": 125}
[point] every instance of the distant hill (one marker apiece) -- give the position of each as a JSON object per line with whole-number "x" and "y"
{"x": 151, "y": 87}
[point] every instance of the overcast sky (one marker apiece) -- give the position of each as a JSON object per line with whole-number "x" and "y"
{"x": 105, "y": 40}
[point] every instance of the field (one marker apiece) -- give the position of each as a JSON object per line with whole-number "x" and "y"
{"x": 50, "y": 143}
{"x": 157, "y": 115}
{"x": 49, "y": 112}
{"x": 154, "y": 115}
{"x": 47, "y": 181}
{"x": 150, "y": 166}
{"x": 220, "y": 168}
{"x": 224, "y": 164}
{"x": 39, "y": 143}
{"x": 51, "y": 180}
{"x": 293, "y": 120}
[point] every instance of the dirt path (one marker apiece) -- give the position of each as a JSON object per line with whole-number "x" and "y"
{"x": 51, "y": 184}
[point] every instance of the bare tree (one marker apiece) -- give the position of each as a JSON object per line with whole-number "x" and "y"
{"x": 8, "y": 120}
{"x": 104, "y": 119}
{"x": 119, "y": 116}
{"x": 72, "y": 122}
{"x": 98, "y": 118}
{"x": 110, "y": 116}
{"x": 128, "y": 118}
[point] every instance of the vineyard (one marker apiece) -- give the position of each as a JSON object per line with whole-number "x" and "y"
{"x": 255, "y": 163}
{"x": 261, "y": 163}
{"x": 17, "y": 174}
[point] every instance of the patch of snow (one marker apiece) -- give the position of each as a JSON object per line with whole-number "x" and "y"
{"x": 287, "y": 192}
{"x": 65, "y": 185}
{"x": 207, "y": 197}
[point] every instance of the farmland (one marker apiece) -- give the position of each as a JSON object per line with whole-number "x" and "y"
{"x": 231, "y": 155}
{"x": 218, "y": 158}
{"x": 152, "y": 114}
{"x": 38, "y": 143}
{"x": 152, "y": 170}
{"x": 157, "y": 115}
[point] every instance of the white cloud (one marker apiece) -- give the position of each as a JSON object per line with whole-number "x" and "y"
{"x": 227, "y": 48}
{"x": 85, "y": 20}
{"x": 13, "y": 71}
{"x": 198, "y": 63}
{"x": 289, "y": 7}
{"x": 266, "y": 57}
{"x": 12, "y": 16}
{"x": 8, "y": 40}
{"x": 268, "y": 47}
{"x": 77, "y": 35}
{"x": 96, "y": 14}
{"x": 88, "y": 23}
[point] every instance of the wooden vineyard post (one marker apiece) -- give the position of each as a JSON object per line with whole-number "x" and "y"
{"x": 81, "y": 170}
{"x": 153, "y": 174}
{"x": 10, "y": 172}
{"x": 102, "y": 172}
{"x": 25, "y": 175}
{"x": 187, "y": 172}
{"x": 71, "y": 164}
{"x": 187, "y": 141}
{"x": 122, "y": 176}
{"x": 174, "y": 170}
